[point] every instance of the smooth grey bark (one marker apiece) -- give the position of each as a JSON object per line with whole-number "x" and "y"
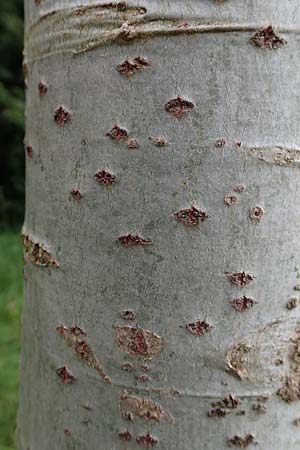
{"x": 245, "y": 95}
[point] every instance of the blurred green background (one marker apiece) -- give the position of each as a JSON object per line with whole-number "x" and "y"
{"x": 11, "y": 211}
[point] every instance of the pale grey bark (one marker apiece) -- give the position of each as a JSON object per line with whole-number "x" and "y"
{"x": 245, "y": 95}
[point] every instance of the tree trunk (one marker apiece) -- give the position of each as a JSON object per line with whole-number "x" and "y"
{"x": 161, "y": 233}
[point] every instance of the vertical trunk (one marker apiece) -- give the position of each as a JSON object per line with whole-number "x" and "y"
{"x": 161, "y": 233}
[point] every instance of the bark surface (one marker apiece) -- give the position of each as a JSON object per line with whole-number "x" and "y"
{"x": 162, "y": 225}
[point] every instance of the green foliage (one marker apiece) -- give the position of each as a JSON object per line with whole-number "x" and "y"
{"x": 11, "y": 287}
{"x": 11, "y": 113}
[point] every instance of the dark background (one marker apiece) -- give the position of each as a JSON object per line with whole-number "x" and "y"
{"x": 11, "y": 115}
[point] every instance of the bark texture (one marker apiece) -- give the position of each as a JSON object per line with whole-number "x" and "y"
{"x": 162, "y": 225}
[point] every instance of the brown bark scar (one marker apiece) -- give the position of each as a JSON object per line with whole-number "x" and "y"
{"x": 179, "y": 106}
{"x": 42, "y": 88}
{"x": 130, "y": 240}
{"x": 243, "y": 303}
{"x": 37, "y": 254}
{"x": 159, "y": 141}
{"x": 106, "y": 178}
{"x": 75, "y": 337}
{"x": 133, "y": 407}
{"x": 240, "y": 278}
{"x": 199, "y": 327}
{"x": 191, "y": 216}
{"x": 61, "y": 115}
{"x": 76, "y": 194}
{"x": 117, "y": 133}
{"x": 240, "y": 442}
{"x": 267, "y": 38}
{"x": 147, "y": 440}
{"x": 236, "y": 360}
{"x": 222, "y": 407}
{"x": 138, "y": 342}
{"x": 65, "y": 375}
{"x": 129, "y": 68}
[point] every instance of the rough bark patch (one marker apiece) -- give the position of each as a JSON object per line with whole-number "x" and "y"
{"x": 243, "y": 303}
{"x": 199, "y": 327}
{"x": 61, "y": 115}
{"x": 132, "y": 144}
{"x": 240, "y": 442}
{"x": 138, "y": 342}
{"x": 290, "y": 391}
{"x": 191, "y": 216}
{"x": 37, "y": 254}
{"x": 75, "y": 337}
{"x": 130, "y": 240}
{"x": 105, "y": 178}
{"x": 129, "y": 68}
{"x": 239, "y": 188}
{"x": 159, "y": 141}
{"x": 240, "y": 278}
{"x": 179, "y": 106}
{"x": 133, "y": 407}
{"x": 266, "y": 38}
{"x": 236, "y": 360}
{"x": 65, "y": 375}
{"x": 277, "y": 155}
{"x": 117, "y": 133}
{"x": 147, "y": 440}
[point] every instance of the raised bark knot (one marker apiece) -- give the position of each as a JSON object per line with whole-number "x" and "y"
{"x": 256, "y": 213}
{"x": 138, "y": 342}
{"x": 191, "y": 216}
{"x": 131, "y": 240}
{"x": 241, "y": 442}
{"x": 230, "y": 200}
{"x": 129, "y": 68}
{"x": 242, "y": 304}
{"x": 199, "y": 327}
{"x": 267, "y": 38}
{"x": 240, "y": 278}
{"x": 61, "y": 115}
{"x": 106, "y": 178}
{"x": 179, "y": 106}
